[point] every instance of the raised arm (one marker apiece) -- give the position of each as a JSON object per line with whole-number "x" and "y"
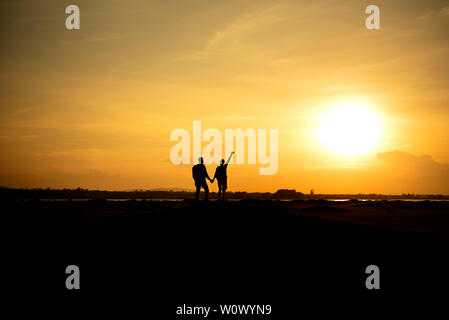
{"x": 230, "y": 157}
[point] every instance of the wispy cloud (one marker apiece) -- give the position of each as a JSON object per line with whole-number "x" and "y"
{"x": 242, "y": 26}
{"x": 443, "y": 12}
{"x": 250, "y": 21}
{"x": 426, "y": 15}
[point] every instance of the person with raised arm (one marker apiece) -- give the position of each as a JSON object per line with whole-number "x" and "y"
{"x": 222, "y": 177}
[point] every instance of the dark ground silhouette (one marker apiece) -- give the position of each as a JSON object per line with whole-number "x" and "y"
{"x": 287, "y": 254}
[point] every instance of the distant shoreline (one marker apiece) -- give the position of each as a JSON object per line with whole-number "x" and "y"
{"x": 282, "y": 194}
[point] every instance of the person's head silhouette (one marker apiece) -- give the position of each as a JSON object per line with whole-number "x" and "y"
{"x": 200, "y": 160}
{"x": 222, "y": 161}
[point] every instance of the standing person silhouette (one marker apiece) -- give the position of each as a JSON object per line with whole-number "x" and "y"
{"x": 199, "y": 174}
{"x": 222, "y": 177}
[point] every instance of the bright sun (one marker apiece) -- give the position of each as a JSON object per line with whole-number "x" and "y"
{"x": 349, "y": 129}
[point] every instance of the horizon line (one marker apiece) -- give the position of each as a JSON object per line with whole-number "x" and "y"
{"x": 186, "y": 190}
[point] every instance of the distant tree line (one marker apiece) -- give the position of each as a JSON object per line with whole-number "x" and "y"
{"x": 281, "y": 194}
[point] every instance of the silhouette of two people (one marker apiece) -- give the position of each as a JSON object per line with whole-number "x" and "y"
{"x": 200, "y": 175}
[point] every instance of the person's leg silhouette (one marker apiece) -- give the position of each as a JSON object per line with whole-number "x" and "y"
{"x": 197, "y": 193}
{"x": 206, "y": 190}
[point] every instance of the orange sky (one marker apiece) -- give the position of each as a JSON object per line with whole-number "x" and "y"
{"x": 95, "y": 107}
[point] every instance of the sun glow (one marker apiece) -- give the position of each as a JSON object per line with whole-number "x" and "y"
{"x": 349, "y": 129}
